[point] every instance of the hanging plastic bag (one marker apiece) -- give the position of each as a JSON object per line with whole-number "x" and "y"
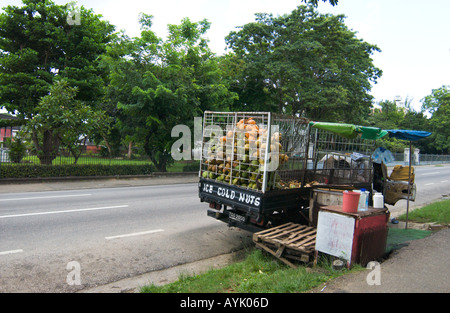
{"x": 382, "y": 155}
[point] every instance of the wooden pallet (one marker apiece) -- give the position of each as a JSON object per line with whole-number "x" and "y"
{"x": 288, "y": 241}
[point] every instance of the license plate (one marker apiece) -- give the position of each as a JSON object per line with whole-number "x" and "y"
{"x": 236, "y": 217}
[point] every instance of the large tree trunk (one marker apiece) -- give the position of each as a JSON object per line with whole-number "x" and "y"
{"x": 108, "y": 146}
{"x": 48, "y": 151}
{"x": 130, "y": 146}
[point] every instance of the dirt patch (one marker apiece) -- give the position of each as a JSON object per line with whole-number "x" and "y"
{"x": 162, "y": 277}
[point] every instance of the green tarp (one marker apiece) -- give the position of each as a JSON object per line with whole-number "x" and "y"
{"x": 351, "y": 131}
{"x": 398, "y": 238}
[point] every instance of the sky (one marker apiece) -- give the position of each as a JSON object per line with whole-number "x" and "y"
{"x": 413, "y": 35}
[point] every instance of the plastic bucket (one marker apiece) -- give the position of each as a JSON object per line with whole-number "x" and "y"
{"x": 350, "y": 202}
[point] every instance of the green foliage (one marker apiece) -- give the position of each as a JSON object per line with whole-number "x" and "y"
{"x": 159, "y": 84}
{"x": 191, "y": 167}
{"x": 11, "y": 122}
{"x": 17, "y": 149}
{"x": 438, "y": 104}
{"x": 37, "y": 45}
{"x": 61, "y": 119}
{"x": 303, "y": 63}
{"x": 45, "y": 171}
{"x": 390, "y": 116}
{"x": 316, "y": 2}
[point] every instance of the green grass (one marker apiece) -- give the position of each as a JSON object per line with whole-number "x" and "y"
{"x": 86, "y": 159}
{"x": 257, "y": 273}
{"x": 437, "y": 212}
{"x": 177, "y": 166}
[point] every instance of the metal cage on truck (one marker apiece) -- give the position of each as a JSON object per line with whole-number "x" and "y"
{"x": 258, "y": 168}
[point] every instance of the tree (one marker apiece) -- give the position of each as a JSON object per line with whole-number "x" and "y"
{"x": 17, "y": 149}
{"x": 418, "y": 121}
{"x": 63, "y": 120}
{"x": 159, "y": 84}
{"x": 38, "y": 46}
{"x": 304, "y": 63}
{"x": 316, "y": 2}
{"x": 438, "y": 105}
{"x": 389, "y": 116}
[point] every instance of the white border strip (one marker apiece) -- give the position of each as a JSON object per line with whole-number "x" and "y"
{"x": 66, "y": 211}
{"x": 46, "y": 197}
{"x": 135, "y": 234}
{"x": 11, "y": 252}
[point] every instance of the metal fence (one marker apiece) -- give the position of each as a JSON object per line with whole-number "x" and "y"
{"x": 65, "y": 157}
{"x": 421, "y": 159}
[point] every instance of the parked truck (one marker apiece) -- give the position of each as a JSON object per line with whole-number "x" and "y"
{"x": 260, "y": 170}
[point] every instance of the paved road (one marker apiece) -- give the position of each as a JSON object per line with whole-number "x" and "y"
{"x": 112, "y": 233}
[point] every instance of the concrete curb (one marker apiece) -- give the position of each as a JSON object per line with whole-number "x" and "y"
{"x": 73, "y": 183}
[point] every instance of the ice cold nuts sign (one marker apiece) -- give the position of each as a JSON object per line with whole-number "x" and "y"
{"x": 231, "y": 194}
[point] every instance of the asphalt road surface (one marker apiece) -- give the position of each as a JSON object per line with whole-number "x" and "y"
{"x": 64, "y": 241}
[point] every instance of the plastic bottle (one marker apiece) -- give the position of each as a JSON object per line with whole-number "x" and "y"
{"x": 359, "y": 203}
{"x": 378, "y": 200}
{"x": 363, "y": 200}
{"x": 366, "y": 205}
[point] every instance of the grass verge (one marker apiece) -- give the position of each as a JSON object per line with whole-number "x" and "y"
{"x": 257, "y": 273}
{"x": 437, "y": 212}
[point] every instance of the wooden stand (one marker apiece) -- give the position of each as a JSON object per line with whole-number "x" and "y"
{"x": 369, "y": 234}
{"x": 288, "y": 241}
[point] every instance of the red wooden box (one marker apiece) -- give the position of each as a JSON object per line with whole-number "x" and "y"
{"x": 370, "y": 233}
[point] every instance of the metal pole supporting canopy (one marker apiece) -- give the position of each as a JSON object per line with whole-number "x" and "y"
{"x": 410, "y": 135}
